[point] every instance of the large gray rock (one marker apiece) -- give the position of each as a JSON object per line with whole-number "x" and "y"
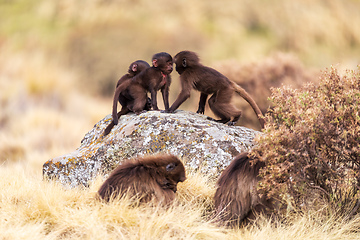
{"x": 201, "y": 144}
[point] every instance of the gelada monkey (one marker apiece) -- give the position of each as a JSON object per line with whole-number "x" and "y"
{"x": 236, "y": 197}
{"x": 209, "y": 81}
{"x": 125, "y": 97}
{"x": 152, "y": 79}
{"x": 148, "y": 177}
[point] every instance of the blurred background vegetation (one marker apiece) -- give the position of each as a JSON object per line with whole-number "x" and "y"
{"x": 59, "y": 60}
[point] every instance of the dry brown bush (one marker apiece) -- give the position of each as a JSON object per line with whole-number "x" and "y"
{"x": 311, "y": 144}
{"x": 258, "y": 77}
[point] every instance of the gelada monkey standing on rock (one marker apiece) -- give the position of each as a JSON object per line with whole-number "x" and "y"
{"x": 236, "y": 198}
{"x": 152, "y": 79}
{"x": 209, "y": 81}
{"x": 148, "y": 177}
{"x": 126, "y": 98}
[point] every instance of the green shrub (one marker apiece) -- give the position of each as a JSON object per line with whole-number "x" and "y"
{"x": 311, "y": 143}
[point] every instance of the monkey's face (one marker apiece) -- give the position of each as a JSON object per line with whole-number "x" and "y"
{"x": 163, "y": 61}
{"x": 166, "y": 65}
{"x": 174, "y": 172}
{"x": 179, "y": 66}
{"x": 184, "y": 60}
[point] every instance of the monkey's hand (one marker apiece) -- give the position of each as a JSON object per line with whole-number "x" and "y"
{"x": 140, "y": 112}
{"x": 200, "y": 111}
{"x": 231, "y": 123}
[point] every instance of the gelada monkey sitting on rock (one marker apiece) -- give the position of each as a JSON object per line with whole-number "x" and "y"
{"x": 209, "y": 81}
{"x": 125, "y": 97}
{"x": 152, "y": 79}
{"x": 147, "y": 177}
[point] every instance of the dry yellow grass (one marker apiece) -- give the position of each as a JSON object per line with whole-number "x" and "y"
{"x": 36, "y": 209}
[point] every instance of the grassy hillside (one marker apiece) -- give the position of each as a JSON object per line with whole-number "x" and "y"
{"x": 33, "y": 209}
{"x": 59, "y": 61}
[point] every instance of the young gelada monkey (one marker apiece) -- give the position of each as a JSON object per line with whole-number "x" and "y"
{"x": 209, "y": 81}
{"x": 125, "y": 97}
{"x": 134, "y": 69}
{"x": 148, "y": 177}
{"x": 153, "y": 79}
{"x": 157, "y": 77}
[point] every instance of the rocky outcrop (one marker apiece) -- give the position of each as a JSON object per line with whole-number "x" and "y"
{"x": 201, "y": 144}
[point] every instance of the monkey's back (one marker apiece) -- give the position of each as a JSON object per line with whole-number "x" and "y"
{"x": 129, "y": 178}
{"x": 236, "y": 192}
{"x": 146, "y": 178}
{"x": 148, "y": 79}
{"x": 206, "y": 79}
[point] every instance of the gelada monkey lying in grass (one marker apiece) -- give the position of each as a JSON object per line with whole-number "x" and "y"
{"x": 148, "y": 177}
{"x": 194, "y": 75}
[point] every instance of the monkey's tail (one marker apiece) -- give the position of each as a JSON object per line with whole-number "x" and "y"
{"x": 121, "y": 87}
{"x": 118, "y": 90}
{"x": 251, "y": 101}
{"x": 108, "y": 128}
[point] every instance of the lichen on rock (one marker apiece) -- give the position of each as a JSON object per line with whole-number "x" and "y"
{"x": 202, "y": 145}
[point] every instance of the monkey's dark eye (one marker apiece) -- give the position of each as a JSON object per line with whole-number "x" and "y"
{"x": 170, "y": 167}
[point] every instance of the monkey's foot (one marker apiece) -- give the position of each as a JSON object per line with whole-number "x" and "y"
{"x": 231, "y": 123}
{"x": 166, "y": 111}
{"x": 143, "y": 111}
{"x": 200, "y": 111}
{"x": 219, "y": 121}
{"x": 234, "y": 121}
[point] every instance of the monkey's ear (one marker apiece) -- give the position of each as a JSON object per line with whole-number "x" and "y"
{"x": 184, "y": 62}
{"x": 155, "y": 63}
{"x": 134, "y": 67}
{"x": 170, "y": 167}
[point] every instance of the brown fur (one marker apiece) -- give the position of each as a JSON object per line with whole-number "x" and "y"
{"x": 134, "y": 69}
{"x": 236, "y": 197}
{"x": 126, "y": 97}
{"x": 157, "y": 77}
{"x": 209, "y": 81}
{"x": 148, "y": 177}
{"x": 153, "y": 79}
